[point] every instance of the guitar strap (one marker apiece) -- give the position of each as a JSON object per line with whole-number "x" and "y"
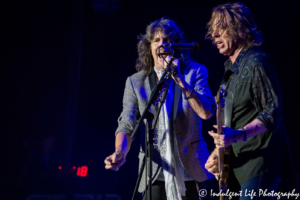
{"x": 231, "y": 90}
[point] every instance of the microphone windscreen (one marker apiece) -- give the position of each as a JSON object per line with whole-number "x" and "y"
{"x": 197, "y": 46}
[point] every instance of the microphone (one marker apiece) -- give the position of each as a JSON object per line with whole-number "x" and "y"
{"x": 192, "y": 46}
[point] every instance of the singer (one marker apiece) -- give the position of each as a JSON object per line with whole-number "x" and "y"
{"x": 180, "y": 152}
{"x": 260, "y": 155}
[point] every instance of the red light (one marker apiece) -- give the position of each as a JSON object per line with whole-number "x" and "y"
{"x": 59, "y": 167}
{"x": 74, "y": 167}
{"x": 82, "y": 171}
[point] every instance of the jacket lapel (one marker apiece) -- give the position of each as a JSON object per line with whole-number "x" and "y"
{"x": 177, "y": 94}
{"x": 150, "y": 84}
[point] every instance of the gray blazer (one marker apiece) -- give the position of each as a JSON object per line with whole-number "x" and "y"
{"x": 192, "y": 148}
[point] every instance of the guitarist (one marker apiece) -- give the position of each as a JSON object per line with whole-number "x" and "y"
{"x": 252, "y": 117}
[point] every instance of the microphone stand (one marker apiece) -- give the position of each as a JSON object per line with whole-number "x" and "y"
{"x": 151, "y": 126}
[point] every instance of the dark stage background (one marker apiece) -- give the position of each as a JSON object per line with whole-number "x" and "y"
{"x": 63, "y": 71}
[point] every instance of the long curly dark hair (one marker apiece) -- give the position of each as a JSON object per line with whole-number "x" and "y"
{"x": 238, "y": 20}
{"x": 168, "y": 27}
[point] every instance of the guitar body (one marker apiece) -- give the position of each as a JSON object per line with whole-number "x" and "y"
{"x": 224, "y": 157}
{"x": 223, "y": 154}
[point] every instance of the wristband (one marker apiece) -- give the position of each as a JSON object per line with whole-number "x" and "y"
{"x": 245, "y": 135}
{"x": 189, "y": 96}
{"x": 234, "y": 136}
{"x": 121, "y": 153}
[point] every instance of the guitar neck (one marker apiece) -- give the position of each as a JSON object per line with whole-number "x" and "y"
{"x": 223, "y": 154}
{"x": 219, "y": 131}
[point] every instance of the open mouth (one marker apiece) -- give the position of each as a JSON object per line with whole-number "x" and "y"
{"x": 219, "y": 43}
{"x": 163, "y": 54}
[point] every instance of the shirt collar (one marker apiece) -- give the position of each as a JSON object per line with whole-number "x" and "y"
{"x": 235, "y": 66}
{"x": 159, "y": 72}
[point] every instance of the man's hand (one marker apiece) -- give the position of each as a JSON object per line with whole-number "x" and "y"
{"x": 114, "y": 161}
{"x": 212, "y": 164}
{"x": 176, "y": 66}
{"x": 229, "y": 137}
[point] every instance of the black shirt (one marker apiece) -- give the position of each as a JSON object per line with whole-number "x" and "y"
{"x": 258, "y": 96}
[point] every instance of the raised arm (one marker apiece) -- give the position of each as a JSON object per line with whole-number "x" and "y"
{"x": 197, "y": 92}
